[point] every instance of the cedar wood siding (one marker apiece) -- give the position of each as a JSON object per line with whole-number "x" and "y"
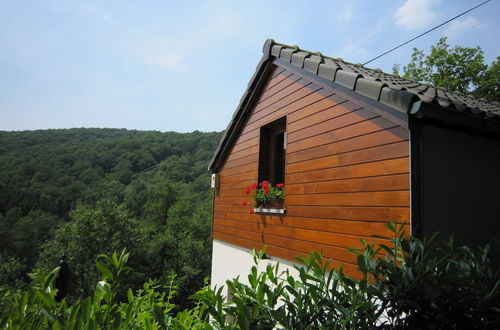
{"x": 347, "y": 174}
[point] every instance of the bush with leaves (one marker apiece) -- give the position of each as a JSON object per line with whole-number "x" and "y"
{"x": 418, "y": 284}
{"x": 434, "y": 285}
{"x": 147, "y": 308}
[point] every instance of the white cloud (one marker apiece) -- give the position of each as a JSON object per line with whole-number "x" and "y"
{"x": 416, "y": 14}
{"x": 458, "y": 27}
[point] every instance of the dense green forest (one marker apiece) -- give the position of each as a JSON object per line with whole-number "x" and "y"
{"x": 83, "y": 192}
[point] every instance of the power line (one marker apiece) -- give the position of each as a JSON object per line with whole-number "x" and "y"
{"x": 451, "y": 19}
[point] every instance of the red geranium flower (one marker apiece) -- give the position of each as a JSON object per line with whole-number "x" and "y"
{"x": 266, "y": 191}
{"x": 251, "y": 211}
{"x": 248, "y": 190}
{"x": 244, "y": 203}
{"x": 279, "y": 185}
{"x": 265, "y": 184}
{"x": 254, "y": 186}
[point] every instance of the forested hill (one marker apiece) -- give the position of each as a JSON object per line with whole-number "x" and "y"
{"x": 51, "y": 179}
{"x": 50, "y": 169}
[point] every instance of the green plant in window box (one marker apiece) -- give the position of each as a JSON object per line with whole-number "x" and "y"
{"x": 266, "y": 195}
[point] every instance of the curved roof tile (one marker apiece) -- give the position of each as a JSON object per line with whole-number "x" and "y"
{"x": 356, "y": 77}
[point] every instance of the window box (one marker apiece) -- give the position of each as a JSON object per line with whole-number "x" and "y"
{"x": 272, "y": 207}
{"x": 263, "y": 210}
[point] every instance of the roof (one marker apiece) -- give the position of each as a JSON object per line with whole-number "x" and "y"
{"x": 374, "y": 83}
{"x": 402, "y": 95}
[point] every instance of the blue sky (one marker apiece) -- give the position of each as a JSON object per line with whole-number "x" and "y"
{"x": 183, "y": 65}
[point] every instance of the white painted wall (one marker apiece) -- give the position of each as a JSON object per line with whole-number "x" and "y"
{"x": 230, "y": 261}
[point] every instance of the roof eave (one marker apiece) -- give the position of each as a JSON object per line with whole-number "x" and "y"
{"x": 484, "y": 125}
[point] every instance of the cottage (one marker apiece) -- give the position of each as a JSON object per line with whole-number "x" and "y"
{"x": 355, "y": 148}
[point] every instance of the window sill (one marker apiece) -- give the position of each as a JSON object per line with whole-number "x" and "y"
{"x": 261, "y": 210}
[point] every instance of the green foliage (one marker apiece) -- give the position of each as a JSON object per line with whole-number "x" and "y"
{"x": 105, "y": 228}
{"x": 489, "y": 86}
{"x": 416, "y": 285}
{"x": 458, "y": 69}
{"x": 83, "y": 192}
{"x": 29, "y": 232}
{"x": 147, "y": 308}
{"x": 11, "y": 272}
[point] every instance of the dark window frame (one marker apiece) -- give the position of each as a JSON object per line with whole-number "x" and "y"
{"x": 272, "y": 152}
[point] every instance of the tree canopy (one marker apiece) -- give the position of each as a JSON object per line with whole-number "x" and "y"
{"x": 83, "y": 192}
{"x": 457, "y": 69}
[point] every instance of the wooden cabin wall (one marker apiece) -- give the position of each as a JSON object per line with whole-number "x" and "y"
{"x": 347, "y": 174}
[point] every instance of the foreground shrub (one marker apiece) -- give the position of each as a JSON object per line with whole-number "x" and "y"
{"x": 148, "y": 308}
{"x": 416, "y": 285}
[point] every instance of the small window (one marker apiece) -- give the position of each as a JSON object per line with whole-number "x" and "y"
{"x": 272, "y": 152}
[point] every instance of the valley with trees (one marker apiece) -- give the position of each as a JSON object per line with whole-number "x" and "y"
{"x": 83, "y": 192}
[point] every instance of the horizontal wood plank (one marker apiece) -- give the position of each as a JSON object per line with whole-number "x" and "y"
{"x": 279, "y": 83}
{"x": 253, "y": 141}
{"x": 342, "y": 133}
{"x": 246, "y": 136}
{"x": 328, "y": 101}
{"x": 378, "y": 214}
{"x": 237, "y": 177}
{"x": 250, "y": 235}
{"x": 374, "y": 139}
{"x": 239, "y": 169}
{"x": 238, "y": 184}
{"x": 331, "y": 124}
{"x": 309, "y": 236}
{"x": 358, "y": 228}
{"x": 233, "y": 208}
{"x": 240, "y": 192}
{"x": 236, "y": 216}
{"x": 328, "y": 251}
{"x": 252, "y": 150}
{"x": 241, "y": 161}
{"x": 377, "y": 183}
{"x": 293, "y": 88}
{"x": 367, "y": 155}
{"x": 293, "y": 101}
{"x": 379, "y": 168}
{"x": 377, "y": 198}
{"x": 318, "y": 112}
{"x": 233, "y": 200}
{"x": 237, "y": 240}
